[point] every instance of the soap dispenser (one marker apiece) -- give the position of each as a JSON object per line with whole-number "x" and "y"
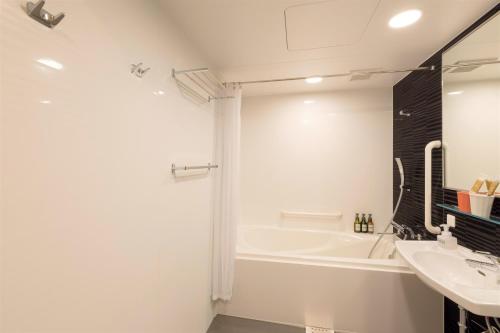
{"x": 446, "y": 239}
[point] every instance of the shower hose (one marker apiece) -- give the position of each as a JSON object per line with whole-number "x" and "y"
{"x": 388, "y": 224}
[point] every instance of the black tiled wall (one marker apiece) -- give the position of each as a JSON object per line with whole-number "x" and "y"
{"x": 419, "y": 94}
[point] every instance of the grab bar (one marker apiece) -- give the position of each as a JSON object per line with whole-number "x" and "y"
{"x": 335, "y": 215}
{"x": 428, "y": 187}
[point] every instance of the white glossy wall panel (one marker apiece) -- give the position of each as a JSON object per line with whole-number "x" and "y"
{"x": 96, "y": 234}
{"x": 331, "y": 155}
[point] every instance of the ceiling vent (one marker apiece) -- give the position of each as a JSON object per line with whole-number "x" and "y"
{"x": 330, "y": 23}
{"x": 362, "y": 74}
{"x": 470, "y": 65}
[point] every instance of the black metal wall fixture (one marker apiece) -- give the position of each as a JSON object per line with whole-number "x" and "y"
{"x": 419, "y": 94}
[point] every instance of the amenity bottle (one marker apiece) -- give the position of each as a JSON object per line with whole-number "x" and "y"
{"x": 357, "y": 224}
{"x": 364, "y": 224}
{"x": 371, "y": 226}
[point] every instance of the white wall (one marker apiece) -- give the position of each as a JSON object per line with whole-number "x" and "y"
{"x": 471, "y": 131}
{"x": 96, "y": 234}
{"x": 332, "y": 155}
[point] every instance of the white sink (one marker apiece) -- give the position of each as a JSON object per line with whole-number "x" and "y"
{"x": 477, "y": 289}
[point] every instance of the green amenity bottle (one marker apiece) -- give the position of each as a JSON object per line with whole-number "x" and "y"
{"x": 357, "y": 224}
{"x": 364, "y": 224}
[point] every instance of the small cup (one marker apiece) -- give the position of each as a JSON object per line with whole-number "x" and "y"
{"x": 481, "y": 204}
{"x": 463, "y": 199}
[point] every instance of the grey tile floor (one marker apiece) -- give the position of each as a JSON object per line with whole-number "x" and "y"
{"x": 228, "y": 324}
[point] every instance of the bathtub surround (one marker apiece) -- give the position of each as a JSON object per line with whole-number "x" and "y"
{"x": 226, "y": 192}
{"x": 316, "y": 153}
{"x": 97, "y": 236}
{"x": 304, "y": 292}
{"x": 322, "y": 278}
{"x": 420, "y": 94}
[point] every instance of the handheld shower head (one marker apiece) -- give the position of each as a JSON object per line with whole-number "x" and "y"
{"x": 401, "y": 171}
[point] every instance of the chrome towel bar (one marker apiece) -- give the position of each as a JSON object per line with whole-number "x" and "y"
{"x": 193, "y": 167}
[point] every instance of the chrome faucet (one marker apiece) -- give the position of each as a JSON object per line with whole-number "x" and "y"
{"x": 410, "y": 231}
{"x": 404, "y": 230}
{"x": 399, "y": 228}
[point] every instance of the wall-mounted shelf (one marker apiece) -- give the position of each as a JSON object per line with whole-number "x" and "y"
{"x": 454, "y": 209}
{"x": 199, "y": 84}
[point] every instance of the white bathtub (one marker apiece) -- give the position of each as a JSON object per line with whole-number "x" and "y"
{"x": 323, "y": 278}
{"x": 321, "y": 247}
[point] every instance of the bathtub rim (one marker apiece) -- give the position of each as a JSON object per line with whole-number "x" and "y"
{"x": 381, "y": 265}
{"x": 397, "y": 265}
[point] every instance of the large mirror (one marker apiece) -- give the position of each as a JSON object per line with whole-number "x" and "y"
{"x": 471, "y": 107}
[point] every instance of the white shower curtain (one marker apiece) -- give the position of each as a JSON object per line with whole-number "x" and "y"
{"x": 226, "y": 192}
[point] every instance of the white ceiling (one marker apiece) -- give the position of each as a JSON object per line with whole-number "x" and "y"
{"x": 247, "y": 40}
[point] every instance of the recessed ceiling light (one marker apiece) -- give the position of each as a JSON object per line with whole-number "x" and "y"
{"x": 456, "y": 92}
{"x": 50, "y": 63}
{"x": 158, "y": 92}
{"x": 314, "y": 79}
{"x": 309, "y": 101}
{"x": 405, "y": 18}
{"x": 45, "y": 101}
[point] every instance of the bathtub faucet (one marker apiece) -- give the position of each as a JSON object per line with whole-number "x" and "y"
{"x": 405, "y": 231}
{"x": 400, "y": 229}
{"x": 410, "y": 231}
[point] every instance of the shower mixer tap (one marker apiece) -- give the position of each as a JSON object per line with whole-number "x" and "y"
{"x": 410, "y": 231}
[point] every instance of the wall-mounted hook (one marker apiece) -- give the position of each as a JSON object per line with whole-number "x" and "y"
{"x": 134, "y": 68}
{"x": 36, "y": 12}
{"x": 404, "y": 113}
{"x": 138, "y": 70}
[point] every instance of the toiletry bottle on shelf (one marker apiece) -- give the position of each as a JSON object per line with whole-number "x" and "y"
{"x": 371, "y": 226}
{"x": 364, "y": 224}
{"x": 357, "y": 224}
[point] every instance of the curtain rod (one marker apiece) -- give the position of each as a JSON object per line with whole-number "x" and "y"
{"x": 477, "y": 63}
{"x": 368, "y": 72}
